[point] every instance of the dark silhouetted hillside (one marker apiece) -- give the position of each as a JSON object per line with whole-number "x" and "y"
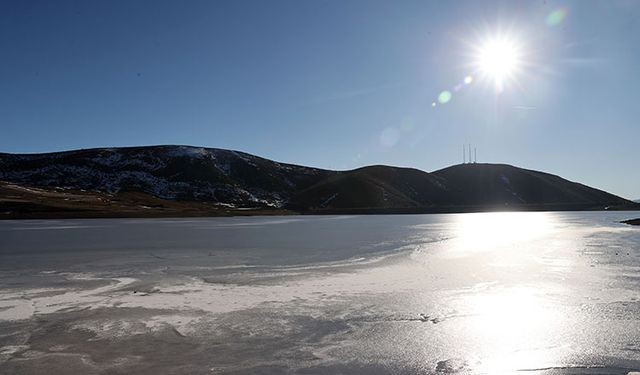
{"x": 374, "y": 187}
{"x": 184, "y": 180}
{"x": 500, "y": 184}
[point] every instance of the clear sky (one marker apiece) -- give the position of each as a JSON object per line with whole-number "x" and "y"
{"x": 334, "y": 84}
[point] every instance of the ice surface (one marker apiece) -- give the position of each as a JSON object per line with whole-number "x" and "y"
{"x": 496, "y": 293}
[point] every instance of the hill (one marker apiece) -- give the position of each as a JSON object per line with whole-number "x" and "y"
{"x": 464, "y": 187}
{"x": 373, "y": 187}
{"x": 180, "y": 173}
{"x": 501, "y": 184}
{"x": 196, "y": 181}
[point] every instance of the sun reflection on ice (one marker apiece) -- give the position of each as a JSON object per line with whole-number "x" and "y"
{"x": 489, "y": 231}
{"x": 511, "y": 320}
{"x": 515, "y": 327}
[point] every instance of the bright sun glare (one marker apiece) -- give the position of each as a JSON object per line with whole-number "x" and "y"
{"x": 498, "y": 59}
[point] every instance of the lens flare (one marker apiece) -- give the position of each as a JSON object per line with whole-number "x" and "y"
{"x": 556, "y": 17}
{"x": 389, "y": 137}
{"x": 468, "y": 80}
{"x": 444, "y": 97}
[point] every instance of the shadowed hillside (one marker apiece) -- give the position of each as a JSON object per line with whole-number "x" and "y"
{"x": 184, "y": 180}
{"x": 501, "y": 184}
{"x": 375, "y": 186}
{"x": 167, "y": 172}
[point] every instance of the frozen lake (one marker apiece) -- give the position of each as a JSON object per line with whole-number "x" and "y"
{"x": 493, "y": 293}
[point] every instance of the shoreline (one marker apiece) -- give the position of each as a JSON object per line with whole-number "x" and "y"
{"x": 207, "y": 212}
{"x": 631, "y": 221}
{"x": 19, "y": 202}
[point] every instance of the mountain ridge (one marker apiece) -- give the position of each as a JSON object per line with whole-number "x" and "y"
{"x": 214, "y": 181}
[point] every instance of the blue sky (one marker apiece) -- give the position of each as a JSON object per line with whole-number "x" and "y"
{"x": 333, "y": 84}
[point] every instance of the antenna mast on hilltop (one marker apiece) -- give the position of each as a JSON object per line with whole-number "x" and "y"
{"x": 468, "y": 158}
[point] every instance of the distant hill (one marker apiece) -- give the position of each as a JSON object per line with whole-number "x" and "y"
{"x": 495, "y": 184}
{"x": 462, "y": 187}
{"x": 184, "y": 180}
{"x": 373, "y": 187}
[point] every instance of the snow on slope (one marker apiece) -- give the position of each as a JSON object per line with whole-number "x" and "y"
{"x": 171, "y": 172}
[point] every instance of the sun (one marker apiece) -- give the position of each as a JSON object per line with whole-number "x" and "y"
{"x": 498, "y": 59}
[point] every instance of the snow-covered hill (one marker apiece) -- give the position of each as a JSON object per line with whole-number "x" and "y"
{"x": 169, "y": 172}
